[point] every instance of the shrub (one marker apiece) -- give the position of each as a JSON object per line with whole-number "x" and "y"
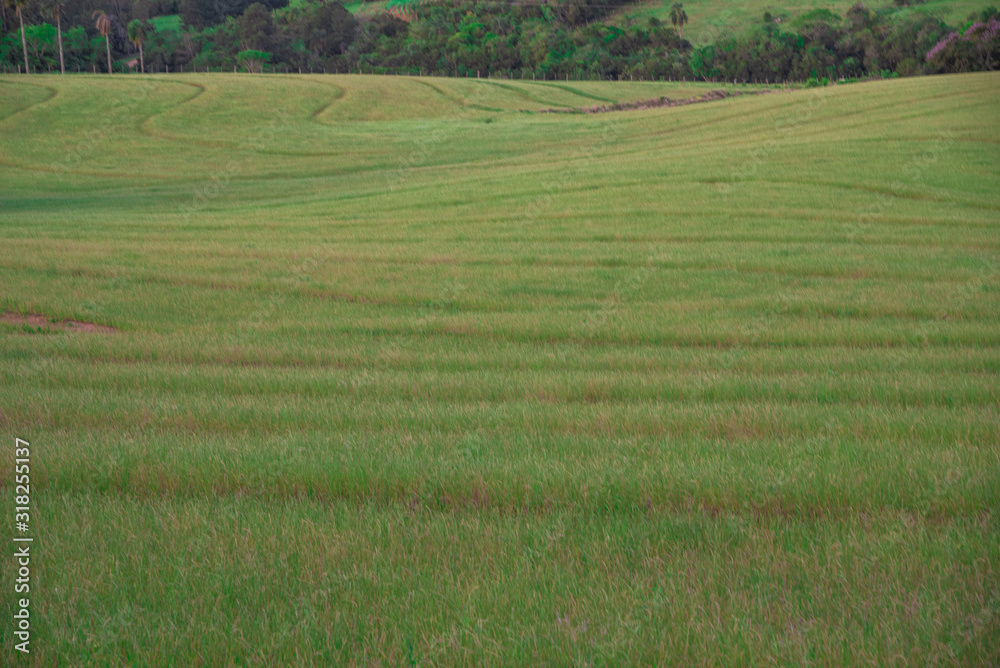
{"x": 975, "y": 49}
{"x": 909, "y": 67}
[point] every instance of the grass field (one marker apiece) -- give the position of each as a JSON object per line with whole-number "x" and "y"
{"x": 406, "y": 373}
{"x": 168, "y": 23}
{"x": 710, "y": 18}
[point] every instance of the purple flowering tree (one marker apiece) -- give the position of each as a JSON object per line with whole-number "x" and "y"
{"x": 975, "y": 49}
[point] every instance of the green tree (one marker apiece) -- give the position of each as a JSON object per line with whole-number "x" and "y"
{"x": 19, "y": 5}
{"x": 137, "y": 32}
{"x": 702, "y": 62}
{"x": 256, "y": 27}
{"x": 203, "y": 13}
{"x": 56, "y": 9}
{"x": 103, "y": 25}
{"x": 253, "y": 60}
{"x": 678, "y": 17}
{"x": 328, "y": 31}
{"x": 41, "y": 41}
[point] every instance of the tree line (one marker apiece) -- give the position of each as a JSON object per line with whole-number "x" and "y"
{"x": 558, "y": 39}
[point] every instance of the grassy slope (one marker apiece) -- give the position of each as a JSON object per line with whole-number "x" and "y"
{"x": 709, "y": 18}
{"x": 406, "y": 373}
{"x": 167, "y": 23}
{"x": 366, "y": 7}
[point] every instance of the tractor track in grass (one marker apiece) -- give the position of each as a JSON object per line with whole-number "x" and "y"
{"x": 237, "y": 146}
{"x": 570, "y": 89}
{"x": 615, "y": 359}
{"x": 46, "y": 169}
{"x": 141, "y": 126}
{"x": 513, "y": 496}
{"x": 340, "y": 94}
{"x": 53, "y": 92}
{"x": 854, "y": 187}
{"x": 516, "y": 90}
{"x": 215, "y": 144}
{"x": 850, "y": 276}
{"x": 472, "y": 260}
{"x": 41, "y": 323}
{"x": 460, "y": 102}
{"x": 655, "y": 391}
{"x": 657, "y": 103}
{"x": 146, "y": 128}
{"x": 408, "y": 303}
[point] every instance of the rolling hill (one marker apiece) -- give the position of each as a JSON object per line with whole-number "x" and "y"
{"x": 401, "y": 370}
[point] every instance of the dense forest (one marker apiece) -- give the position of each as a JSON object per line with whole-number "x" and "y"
{"x": 558, "y": 39}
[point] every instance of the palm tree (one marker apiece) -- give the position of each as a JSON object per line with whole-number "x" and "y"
{"x": 678, "y": 17}
{"x": 103, "y": 24}
{"x": 137, "y": 32}
{"x": 56, "y": 7}
{"x": 18, "y": 5}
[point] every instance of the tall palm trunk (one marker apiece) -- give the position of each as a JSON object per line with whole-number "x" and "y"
{"x": 107, "y": 43}
{"x": 62, "y": 62}
{"x": 142, "y": 60}
{"x": 24, "y": 42}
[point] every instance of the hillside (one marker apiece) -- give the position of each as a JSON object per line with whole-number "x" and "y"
{"x": 708, "y": 19}
{"x": 400, "y": 370}
{"x": 576, "y": 41}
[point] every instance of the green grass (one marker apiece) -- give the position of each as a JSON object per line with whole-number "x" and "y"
{"x": 167, "y": 23}
{"x": 408, "y": 373}
{"x": 370, "y": 7}
{"x": 710, "y": 18}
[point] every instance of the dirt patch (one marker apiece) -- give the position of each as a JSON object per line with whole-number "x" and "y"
{"x": 710, "y": 96}
{"x": 36, "y": 321}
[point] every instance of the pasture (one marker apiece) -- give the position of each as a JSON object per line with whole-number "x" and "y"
{"x": 403, "y": 371}
{"x": 710, "y": 19}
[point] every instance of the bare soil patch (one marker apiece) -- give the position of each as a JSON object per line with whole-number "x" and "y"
{"x": 710, "y": 96}
{"x": 41, "y": 322}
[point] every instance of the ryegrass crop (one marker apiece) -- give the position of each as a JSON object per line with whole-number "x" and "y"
{"x": 404, "y": 371}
